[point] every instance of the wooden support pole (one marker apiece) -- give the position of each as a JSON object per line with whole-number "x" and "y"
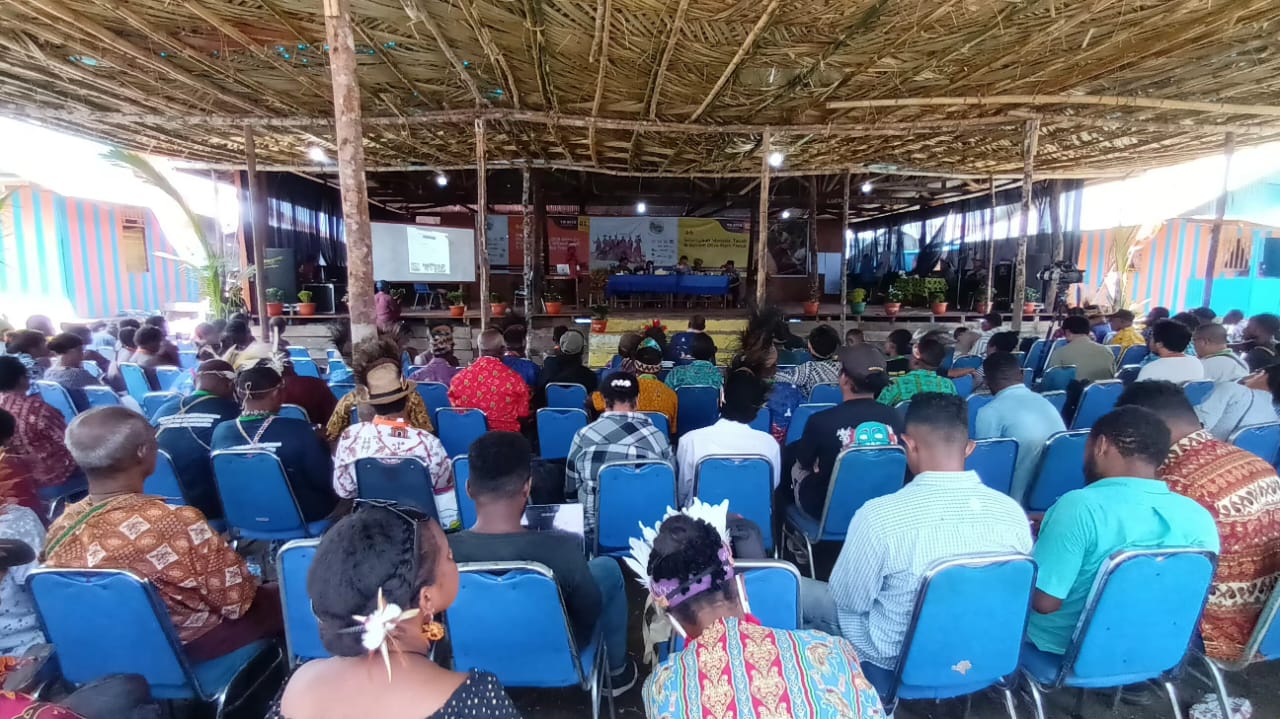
{"x": 258, "y": 211}
{"x": 540, "y": 246}
{"x": 991, "y": 247}
{"x": 762, "y": 237}
{"x": 844, "y": 258}
{"x": 482, "y": 234}
{"x": 1029, "y": 141}
{"x": 1220, "y": 211}
{"x": 1056, "y": 247}
{"x": 526, "y": 240}
{"x": 815, "y": 289}
{"x": 351, "y": 179}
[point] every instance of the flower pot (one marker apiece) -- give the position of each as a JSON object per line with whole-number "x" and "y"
{"x": 811, "y": 308}
{"x": 892, "y": 308}
{"x": 497, "y": 309}
{"x": 457, "y": 310}
{"x": 275, "y": 309}
{"x": 553, "y": 308}
{"x": 938, "y": 307}
{"x": 306, "y": 309}
{"x": 1028, "y": 308}
{"x": 599, "y": 327}
{"x": 858, "y": 307}
{"x": 983, "y": 308}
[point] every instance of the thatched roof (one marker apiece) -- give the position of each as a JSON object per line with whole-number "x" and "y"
{"x": 676, "y": 87}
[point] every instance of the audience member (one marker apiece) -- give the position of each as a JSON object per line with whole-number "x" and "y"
{"x": 702, "y": 371}
{"x": 68, "y": 350}
{"x": 550, "y": 363}
{"x": 491, "y": 386}
{"x": 150, "y": 341}
{"x": 185, "y": 432}
{"x": 628, "y": 342}
{"x": 853, "y": 337}
{"x": 312, "y": 394}
{"x": 897, "y": 347}
{"x": 655, "y": 396}
{"x": 305, "y": 457}
{"x": 681, "y": 346}
{"x": 1098, "y": 327}
{"x": 215, "y": 603}
{"x": 41, "y": 324}
{"x": 822, "y": 367}
{"x": 1122, "y": 506}
{"x": 568, "y": 368}
{"x": 16, "y": 486}
{"x": 758, "y": 354}
{"x": 831, "y": 431}
{"x": 375, "y": 558}
{"x": 688, "y": 569}
{"x": 1231, "y": 406}
{"x": 276, "y": 327}
{"x": 100, "y": 363}
{"x": 241, "y": 348}
{"x": 365, "y": 355}
{"x": 1234, "y": 322}
{"x": 38, "y": 440}
{"x": 991, "y": 323}
{"x": 620, "y": 434}
{"x": 1267, "y": 380}
{"x": 441, "y": 346}
{"x": 1092, "y": 361}
{"x": 1153, "y": 316}
{"x": 1242, "y": 492}
{"x": 123, "y": 353}
{"x": 386, "y": 307}
{"x": 389, "y": 434}
{"x": 1206, "y": 315}
{"x": 205, "y": 338}
{"x": 21, "y": 541}
{"x": 742, "y": 397}
{"x": 594, "y": 595}
{"x": 514, "y": 338}
{"x": 1259, "y": 347}
{"x": 168, "y": 353}
{"x": 31, "y": 348}
{"x": 437, "y": 368}
{"x": 1018, "y": 413}
{"x": 926, "y": 358}
{"x": 945, "y": 512}
{"x": 1169, "y": 340}
{"x": 1220, "y": 363}
{"x": 1123, "y": 332}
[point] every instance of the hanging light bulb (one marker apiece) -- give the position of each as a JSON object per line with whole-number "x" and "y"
{"x": 848, "y": 235}
{"x": 786, "y": 214}
{"x": 442, "y": 179}
{"x": 317, "y": 154}
{"x": 775, "y": 159}
{"x": 866, "y": 188}
{"x": 641, "y": 207}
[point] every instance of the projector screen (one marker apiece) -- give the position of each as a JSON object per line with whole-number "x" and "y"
{"x": 423, "y": 253}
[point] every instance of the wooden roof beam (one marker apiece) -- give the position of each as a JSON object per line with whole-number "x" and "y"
{"x": 418, "y": 12}
{"x": 491, "y": 49}
{"x": 747, "y": 47}
{"x": 1042, "y": 100}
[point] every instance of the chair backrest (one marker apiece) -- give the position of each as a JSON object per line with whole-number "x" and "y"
{"x": 1128, "y": 374}
{"x": 306, "y": 368}
{"x": 301, "y": 628}
{"x": 435, "y": 396}
{"x": 466, "y": 505}
{"x": 458, "y": 427}
{"x": 1057, "y": 398}
{"x": 964, "y": 385}
{"x": 630, "y": 494}
{"x": 187, "y": 359}
{"x": 763, "y": 420}
{"x": 164, "y": 481}
{"x": 1264, "y": 643}
{"x": 293, "y": 411}
{"x": 342, "y": 389}
{"x": 1035, "y": 356}
{"x": 800, "y": 417}
{"x": 1141, "y": 615}
{"x": 167, "y": 376}
{"x": 745, "y": 480}
{"x": 975, "y": 402}
{"x": 108, "y": 621}
{"x": 55, "y": 395}
{"x": 773, "y": 590}
{"x": 1061, "y": 469}
{"x": 153, "y": 401}
{"x": 826, "y": 393}
{"x": 102, "y": 396}
{"x": 1134, "y": 355}
{"x": 1198, "y": 390}
{"x": 297, "y": 352}
{"x": 860, "y": 474}
{"x": 1261, "y": 439}
{"x": 256, "y": 496}
{"x": 533, "y": 645}
{"x": 1028, "y": 377}
{"x": 402, "y": 480}
{"x": 967, "y": 362}
{"x": 902, "y": 408}
{"x": 556, "y": 428}
{"x": 1057, "y": 378}
{"x": 564, "y": 395}
{"x": 660, "y": 421}
{"x": 697, "y": 406}
{"x": 135, "y": 380}
{"x": 971, "y": 612}
{"x": 1097, "y": 399}
{"x": 1052, "y": 348}
{"x": 994, "y": 460}
{"x": 1115, "y": 352}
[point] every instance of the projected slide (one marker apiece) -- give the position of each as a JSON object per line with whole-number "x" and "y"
{"x": 418, "y": 253}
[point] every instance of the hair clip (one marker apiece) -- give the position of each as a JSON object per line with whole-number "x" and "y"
{"x": 621, "y": 382}
{"x": 378, "y": 626}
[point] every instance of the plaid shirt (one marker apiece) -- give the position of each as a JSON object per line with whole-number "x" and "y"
{"x": 808, "y": 375}
{"x": 914, "y": 383}
{"x": 615, "y": 437}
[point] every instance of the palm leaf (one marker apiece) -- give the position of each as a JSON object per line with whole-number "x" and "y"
{"x": 149, "y": 173}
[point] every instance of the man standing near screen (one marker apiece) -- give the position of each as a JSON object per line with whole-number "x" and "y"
{"x": 386, "y": 307}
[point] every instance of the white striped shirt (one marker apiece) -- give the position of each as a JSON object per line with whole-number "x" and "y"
{"x": 893, "y": 540}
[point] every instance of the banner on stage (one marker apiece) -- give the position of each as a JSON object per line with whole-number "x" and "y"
{"x": 504, "y": 243}
{"x": 568, "y": 243}
{"x": 715, "y": 242}
{"x": 635, "y": 240}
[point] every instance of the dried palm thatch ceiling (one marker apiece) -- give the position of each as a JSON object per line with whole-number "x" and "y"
{"x": 663, "y": 87}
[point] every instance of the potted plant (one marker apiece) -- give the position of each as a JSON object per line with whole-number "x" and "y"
{"x": 858, "y": 301}
{"x": 1032, "y": 296}
{"x": 306, "y": 307}
{"x": 552, "y": 300}
{"x": 457, "y": 303}
{"x": 893, "y": 301}
{"x": 811, "y": 305}
{"x": 497, "y": 306}
{"x": 275, "y": 301}
{"x": 599, "y": 319}
{"x": 938, "y": 304}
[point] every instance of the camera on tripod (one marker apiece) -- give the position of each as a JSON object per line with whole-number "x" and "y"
{"x": 1062, "y": 273}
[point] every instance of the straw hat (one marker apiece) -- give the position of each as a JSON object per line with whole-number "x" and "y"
{"x": 383, "y": 384}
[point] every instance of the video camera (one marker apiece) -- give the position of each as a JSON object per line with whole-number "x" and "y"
{"x": 1062, "y": 273}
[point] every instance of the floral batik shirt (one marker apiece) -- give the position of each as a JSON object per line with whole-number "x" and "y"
{"x": 491, "y": 386}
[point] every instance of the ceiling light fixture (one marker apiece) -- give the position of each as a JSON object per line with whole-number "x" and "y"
{"x": 641, "y": 208}
{"x": 786, "y": 214}
{"x": 775, "y": 159}
{"x": 866, "y": 188}
{"x": 848, "y": 235}
{"x": 442, "y": 180}
{"x": 317, "y": 154}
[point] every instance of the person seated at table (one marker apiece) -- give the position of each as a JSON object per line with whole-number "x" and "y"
{"x": 514, "y": 337}
{"x": 1018, "y": 413}
{"x": 735, "y": 281}
{"x": 381, "y": 666}
{"x": 702, "y": 371}
{"x": 38, "y": 438}
{"x": 742, "y": 397}
{"x": 622, "y": 267}
{"x": 307, "y": 465}
{"x": 491, "y": 386}
{"x": 389, "y": 434}
{"x": 682, "y": 267}
{"x": 500, "y": 483}
{"x": 1122, "y": 506}
{"x": 822, "y": 367}
{"x": 184, "y": 430}
{"x": 1220, "y": 363}
{"x": 926, "y": 358}
{"x": 567, "y": 368}
{"x": 655, "y": 396}
{"x": 897, "y": 348}
{"x": 1169, "y": 341}
{"x": 1093, "y": 362}
{"x": 68, "y": 352}
{"x": 365, "y": 354}
{"x": 215, "y": 603}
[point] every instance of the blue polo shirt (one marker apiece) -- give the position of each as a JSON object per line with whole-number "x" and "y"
{"x": 1086, "y": 526}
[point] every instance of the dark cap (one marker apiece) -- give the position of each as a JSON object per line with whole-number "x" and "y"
{"x": 572, "y": 343}
{"x": 1121, "y": 315}
{"x": 861, "y": 360}
{"x": 15, "y": 553}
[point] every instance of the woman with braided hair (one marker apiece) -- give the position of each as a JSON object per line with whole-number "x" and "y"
{"x": 379, "y": 580}
{"x": 365, "y": 356}
{"x": 758, "y": 354}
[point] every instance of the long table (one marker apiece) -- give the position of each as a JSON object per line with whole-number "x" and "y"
{"x": 701, "y": 285}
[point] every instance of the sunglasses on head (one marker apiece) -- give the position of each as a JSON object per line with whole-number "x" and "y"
{"x": 416, "y": 518}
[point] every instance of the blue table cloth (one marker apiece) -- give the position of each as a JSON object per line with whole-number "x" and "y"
{"x": 717, "y": 285}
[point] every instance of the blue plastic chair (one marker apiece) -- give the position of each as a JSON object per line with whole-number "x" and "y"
{"x": 1263, "y": 646}
{"x": 434, "y": 395}
{"x": 331, "y": 354}
{"x": 1261, "y": 439}
{"x": 153, "y": 401}
{"x": 257, "y": 499}
{"x": 1061, "y": 469}
{"x": 826, "y": 393}
{"x": 458, "y": 427}
{"x": 967, "y": 362}
{"x": 800, "y": 417}
{"x": 534, "y": 645}
{"x": 964, "y": 385}
{"x": 994, "y": 460}
{"x": 1137, "y": 625}
{"x": 1028, "y": 377}
{"x": 109, "y": 621}
{"x": 301, "y": 628}
{"x": 135, "y": 380}
{"x": 975, "y": 402}
{"x": 1115, "y": 352}
{"x": 971, "y": 612}
{"x": 297, "y": 352}
{"x": 1097, "y": 399}
{"x": 102, "y": 396}
{"x": 556, "y": 429}
{"x": 660, "y": 421}
{"x": 342, "y": 389}
{"x": 746, "y": 481}
{"x": 763, "y": 420}
{"x": 697, "y": 406}
{"x": 1197, "y": 391}
{"x": 466, "y": 505}
{"x": 1048, "y": 355}
{"x": 399, "y": 480}
{"x": 164, "y": 481}
{"x": 563, "y": 395}
{"x": 55, "y": 395}
{"x": 1128, "y": 374}
{"x": 1058, "y": 399}
{"x": 630, "y": 494}
{"x": 1133, "y": 355}
{"x": 860, "y": 474}
{"x": 187, "y": 359}
{"x": 902, "y": 408}
{"x": 167, "y": 376}
{"x": 1034, "y": 359}
{"x": 773, "y": 593}
{"x": 1057, "y": 378}
{"x": 306, "y": 368}
{"x": 293, "y": 411}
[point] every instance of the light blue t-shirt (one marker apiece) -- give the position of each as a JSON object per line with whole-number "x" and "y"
{"x": 1028, "y": 418}
{"x": 1086, "y": 526}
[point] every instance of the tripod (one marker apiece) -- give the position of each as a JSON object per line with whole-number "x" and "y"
{"x": 1059, "y": 308}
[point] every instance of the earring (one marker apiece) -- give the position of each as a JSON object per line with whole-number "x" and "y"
{"x": 431, "y": 630}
